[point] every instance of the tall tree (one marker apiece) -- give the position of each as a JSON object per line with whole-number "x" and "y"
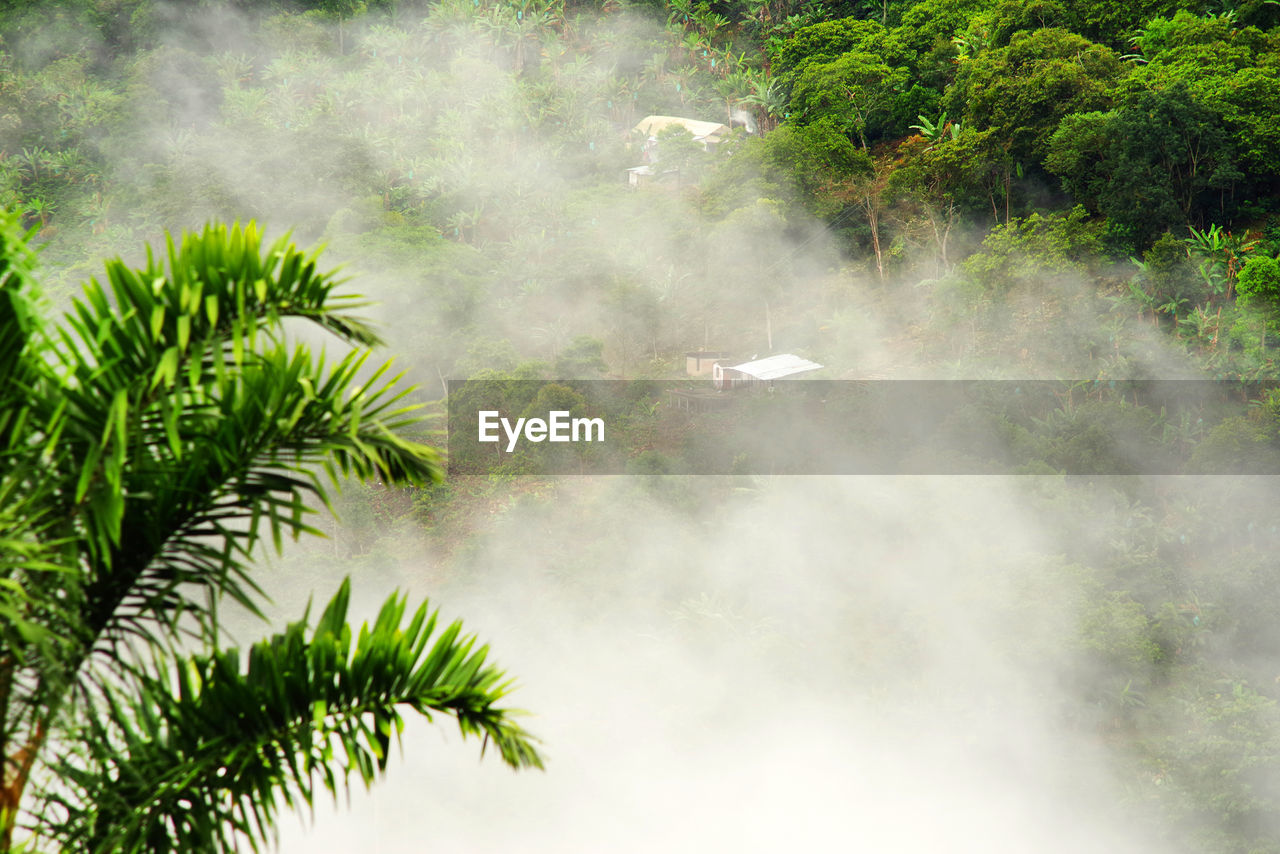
{"x": 147, "y": 446}
{"x": 1161, "y": 160}
{"x": 852, "y": 72}
{"x": 856, "y": 90}
{"x": 1023, "y": 90}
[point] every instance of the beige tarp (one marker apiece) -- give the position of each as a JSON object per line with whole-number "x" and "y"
{"x": 653, "y": 125}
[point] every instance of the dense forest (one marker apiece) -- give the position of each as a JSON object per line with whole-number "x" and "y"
{"x": 1085, "y": 192}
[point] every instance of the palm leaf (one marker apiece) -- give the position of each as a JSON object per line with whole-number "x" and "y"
{"x": 147, "y": 447}
{"x": 188, "y": 421}
{"x": 212, "y": 746}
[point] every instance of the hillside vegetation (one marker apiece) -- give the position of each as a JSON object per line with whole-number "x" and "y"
{"x": 975, "y": 189}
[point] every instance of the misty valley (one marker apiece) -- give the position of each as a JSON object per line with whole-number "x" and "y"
{"x": 634, "y": 425}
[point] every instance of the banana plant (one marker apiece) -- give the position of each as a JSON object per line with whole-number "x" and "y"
{"x": 1173, "y": 308}
{"x": 31, "y": 161}
{"x": 937, "y": 132}
{"x": 768, "y": 96}
{"x": 1221, "y": 256}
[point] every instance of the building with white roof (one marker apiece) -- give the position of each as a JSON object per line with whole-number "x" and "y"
{"x": 764, "y": 370}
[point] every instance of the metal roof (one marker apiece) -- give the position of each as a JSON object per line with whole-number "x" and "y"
{"x": 776, "y": 367}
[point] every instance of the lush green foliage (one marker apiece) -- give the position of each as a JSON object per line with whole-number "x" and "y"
{"x": 200, "y": 753}
{"x": 150, "y": 442}
{"x": 1085, "y": 190}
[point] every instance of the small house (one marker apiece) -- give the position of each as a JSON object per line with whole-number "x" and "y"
{"x": 701, "y": 362}
{"x": 705, "y": 133}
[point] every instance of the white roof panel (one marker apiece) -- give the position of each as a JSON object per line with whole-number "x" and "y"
{"x": 776, "y": 367}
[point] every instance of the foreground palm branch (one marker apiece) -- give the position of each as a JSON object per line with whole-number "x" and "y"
{"x": 145, "y": 450}
{"x": 163, "y": 771}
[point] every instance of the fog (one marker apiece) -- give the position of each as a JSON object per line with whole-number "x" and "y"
{"x": 889, "y": 663}
{"x": 825, "y": 661}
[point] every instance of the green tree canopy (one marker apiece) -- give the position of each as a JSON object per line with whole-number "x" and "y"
{"x": 853, "y": 72}
{"x": 825, "y": 42}
{"x": 1259, "y": 282}
{"x": 1024, "y": 90}
{"x": 856, "y": 90}
{"x": 1161, "y": 160}
{"x": 929, "y": 22}
{"x": 1232, "y": 71}
{"x": 1027, "y": 252}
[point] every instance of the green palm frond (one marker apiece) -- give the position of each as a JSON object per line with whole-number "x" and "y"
{"x": 29, "y": 566}
{"x": 247, "y": 456}
{"x": 198, "y": 758}
{"x": 147, "y": 446}
{"x": 18, "y": 324}
{"x": 31, "y": 555}
{"x": 187, "y": 421}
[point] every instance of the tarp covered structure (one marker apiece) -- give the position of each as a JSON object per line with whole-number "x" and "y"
{"x": 702, "y": 131}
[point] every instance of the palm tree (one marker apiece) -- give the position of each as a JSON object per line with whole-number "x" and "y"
{"x": 146, "y": 448}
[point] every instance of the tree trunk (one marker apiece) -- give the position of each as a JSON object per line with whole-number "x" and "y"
{"x": 19, "y": 765}
{"x": 873, "y": 220}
